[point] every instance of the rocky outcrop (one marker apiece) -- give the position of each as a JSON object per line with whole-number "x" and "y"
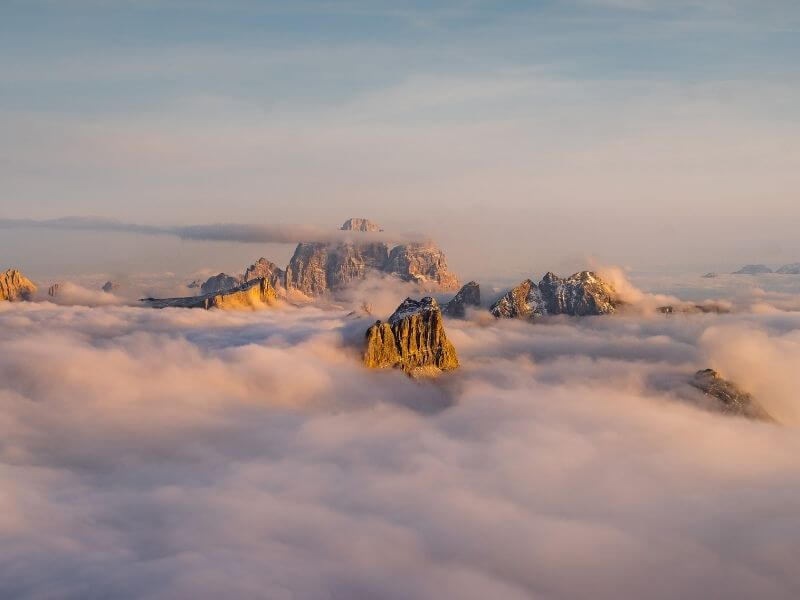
{"x": 264, "y": 268}
{"x": 581, "y": 294}
{"x": 219, "y": 283}
{"x": 257, "y": 293}
{"x": 319, "y": 267}
{"x": 422, "y": 263}
{"x": 195, "y": 284}
{"x": 54, "y": 290}
{"x": 355, "y": 224}
{"x": 413, "y": 340}
{"x": 468, "y": 295}
{"x": 707, "y": 308}
{"x": 790, "y": 269}
{"x": 109, "y": 287}
{"x": 732, "y": 399}
{"x": 710, "y": 275}
{"x": 753, "y": 270}
{"x": 14, "y": 286}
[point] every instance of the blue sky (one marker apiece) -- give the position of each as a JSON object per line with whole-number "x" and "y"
{"x": 637, "y": 131}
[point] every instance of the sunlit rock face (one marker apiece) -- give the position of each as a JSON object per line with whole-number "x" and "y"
{"x": 422, "y": 263}
{"x": 319, "y": 267}
{"x": 790, "y": 269}
{"x": 468, "y": 295}
{"x": 356, "y": 224}
{"x": 14, "y": 286}
{"x": 753, "y": 270}
{"x": 263, "y": 268}
{"x": 732, "y": 399}
{"x": 413, "y": 340}
{"x": 219, "y": 283}
{"x": 254, "y": 294}
{"x": 581, "y": 294}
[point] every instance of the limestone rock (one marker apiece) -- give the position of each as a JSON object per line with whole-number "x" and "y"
{"x": 356, "y": 224}
{"x": 109, "y": 287}
{"x": 14, "y": 286}
{"x": 219, "y": 283}
{"x": 54, "y": 290}
{"x": 790, "y": 269}
{"x": 413, "y": 340}
{"x": 264, "y": 268}
{"x": 581, "y": 294}
{"x": 468, "y": 295}
{"x": 256, "y": 293}
{"x": 733, "y": 399}
{"x": 753, "y": 270}
{"x": 423, "y": 263}
{"x": 710, "y": 275}
{"x": 319, "y": 267}
{"x": 193, "y": 285}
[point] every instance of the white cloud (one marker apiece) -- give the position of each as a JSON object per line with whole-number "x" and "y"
{"x": 181, "y": 453}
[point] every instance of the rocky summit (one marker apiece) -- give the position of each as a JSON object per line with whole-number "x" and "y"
{"x": 790, "y": 269}
{"x": 732, "y": 399}
{"x": 319, "y": 267}
{"x": 264, "y": 268}
{"x": 14, "y": 286}
{"x": 413, "y": 339}
{"x": 581, "y": 294}
{"x": 422, "y": 263}
{"x": 753, "y": 270}
{"x": 468, "y": 295}
{"x": 109, "y": 287}
{"x": 357, "y": 224}
{"x": 256, "y": 293}
{"x": 219, "y": 283}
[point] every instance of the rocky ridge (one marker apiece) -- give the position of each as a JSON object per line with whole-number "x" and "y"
{"x": 14, "y": 286}
{"x": 256, "y": 293}
{"x": 753, "y": 270}
{"x": 413, "y": 339}
{"x": 468, "y": 295}
{"x": 581, "y": 294}
{"x": 732, "y": 399}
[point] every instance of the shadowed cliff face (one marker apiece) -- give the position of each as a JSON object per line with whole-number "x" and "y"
{"x": 468, "y": 295}
{"x": 14, "y": 286}
{"x": 581, "y": 294}
{"x": 413, "y": 340}
{"x": 257, "y": 293}
{"x": 219, "y": 283}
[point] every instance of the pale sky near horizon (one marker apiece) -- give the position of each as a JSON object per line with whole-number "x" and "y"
{"x": 520, "y": 135}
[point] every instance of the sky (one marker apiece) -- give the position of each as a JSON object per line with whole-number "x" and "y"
{"x": 522, "y": 136}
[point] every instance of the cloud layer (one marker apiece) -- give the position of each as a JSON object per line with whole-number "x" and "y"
{"x": 176, "y": 453}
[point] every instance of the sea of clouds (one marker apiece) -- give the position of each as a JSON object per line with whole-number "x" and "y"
{"x": 203, "y": 454}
